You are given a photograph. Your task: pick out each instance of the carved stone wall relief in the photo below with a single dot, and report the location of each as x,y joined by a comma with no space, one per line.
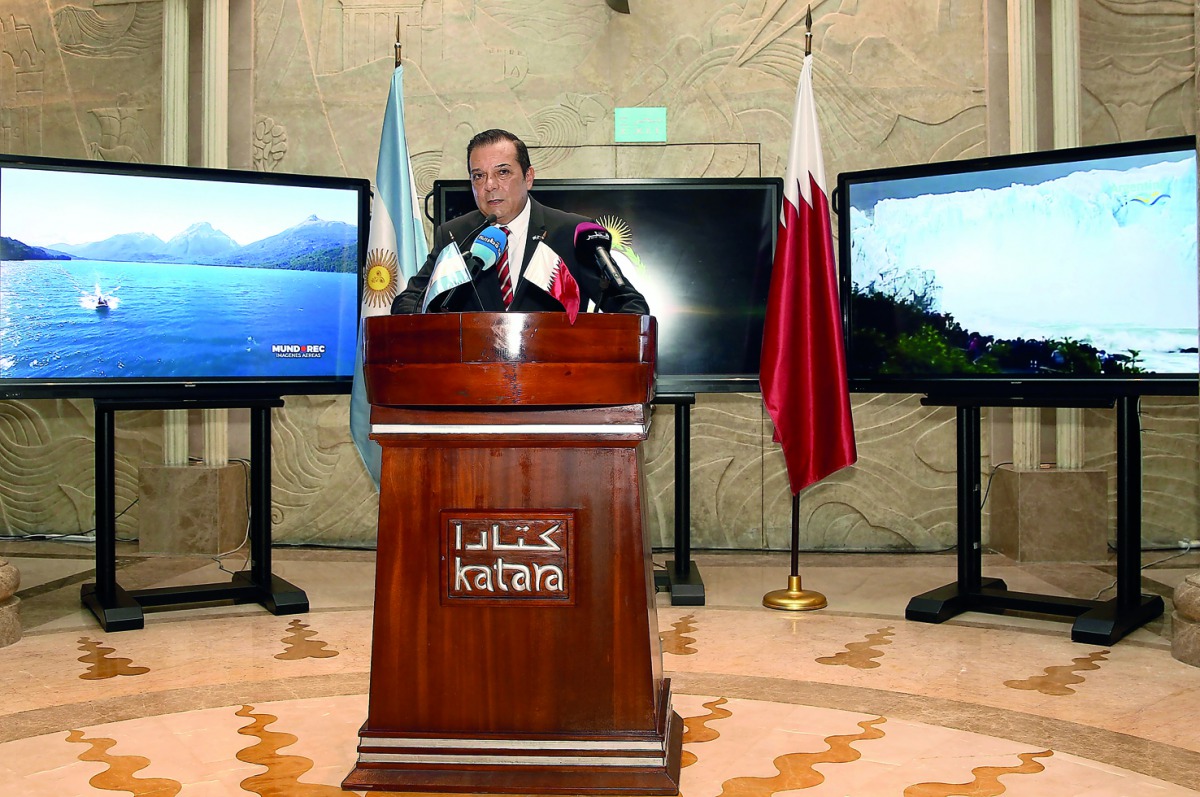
897,82
1137,62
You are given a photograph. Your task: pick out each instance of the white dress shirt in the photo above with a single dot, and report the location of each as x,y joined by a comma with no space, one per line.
518,231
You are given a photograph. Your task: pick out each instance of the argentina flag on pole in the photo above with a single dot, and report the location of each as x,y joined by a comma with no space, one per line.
396,248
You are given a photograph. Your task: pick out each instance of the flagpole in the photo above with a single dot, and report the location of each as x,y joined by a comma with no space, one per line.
807,32
780,372
794,598
397,41
396,248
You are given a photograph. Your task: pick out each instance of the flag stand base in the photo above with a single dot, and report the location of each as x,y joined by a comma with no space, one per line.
794,599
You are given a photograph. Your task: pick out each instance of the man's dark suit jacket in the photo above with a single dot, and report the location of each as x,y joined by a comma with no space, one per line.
557,229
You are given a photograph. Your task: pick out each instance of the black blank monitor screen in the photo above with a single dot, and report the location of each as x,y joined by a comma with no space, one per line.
700,250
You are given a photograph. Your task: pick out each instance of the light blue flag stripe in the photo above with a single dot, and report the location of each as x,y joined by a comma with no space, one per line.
450,271
394,186
393,177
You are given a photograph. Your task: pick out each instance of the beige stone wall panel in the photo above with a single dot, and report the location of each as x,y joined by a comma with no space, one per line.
286,89
47,459
900,83
727,471
320,491
899,495
37,110
1170,469
658,453
1170,482
1137,62
112,59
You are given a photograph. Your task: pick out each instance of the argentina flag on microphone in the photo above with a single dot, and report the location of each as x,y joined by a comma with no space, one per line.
451,268
396,248
449,271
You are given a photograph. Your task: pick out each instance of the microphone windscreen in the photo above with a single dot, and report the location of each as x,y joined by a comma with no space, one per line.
589,232
488,245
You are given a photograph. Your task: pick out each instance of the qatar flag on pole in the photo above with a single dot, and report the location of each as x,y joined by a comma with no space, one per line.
803,373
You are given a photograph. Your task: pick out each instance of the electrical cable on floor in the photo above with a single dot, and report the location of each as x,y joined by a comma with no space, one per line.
79,536
325,546
218,558
810,550
245,539
992,475
1186,548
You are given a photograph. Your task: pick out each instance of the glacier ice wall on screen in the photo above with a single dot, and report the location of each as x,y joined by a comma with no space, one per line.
1103,256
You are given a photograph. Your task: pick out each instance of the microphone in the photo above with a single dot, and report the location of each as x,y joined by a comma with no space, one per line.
470,258
592,243
489,219
486,249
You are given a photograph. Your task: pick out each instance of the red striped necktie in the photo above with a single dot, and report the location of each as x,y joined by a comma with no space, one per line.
506,286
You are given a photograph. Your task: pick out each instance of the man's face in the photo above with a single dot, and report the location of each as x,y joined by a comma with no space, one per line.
497,182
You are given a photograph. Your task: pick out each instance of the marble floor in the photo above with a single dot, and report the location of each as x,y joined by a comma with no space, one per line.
848,700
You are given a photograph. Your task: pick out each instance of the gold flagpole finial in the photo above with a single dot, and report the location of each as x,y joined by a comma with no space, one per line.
807,32
397,41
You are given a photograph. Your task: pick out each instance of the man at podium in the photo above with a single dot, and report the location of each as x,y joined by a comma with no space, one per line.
500,585
546,260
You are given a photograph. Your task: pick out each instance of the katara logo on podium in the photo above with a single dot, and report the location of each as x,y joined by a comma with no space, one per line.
506,556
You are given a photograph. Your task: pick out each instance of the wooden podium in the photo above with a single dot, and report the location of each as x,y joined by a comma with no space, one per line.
515,644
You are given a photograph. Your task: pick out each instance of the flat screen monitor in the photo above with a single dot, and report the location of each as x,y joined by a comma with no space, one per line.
699,249
1059,275
120,280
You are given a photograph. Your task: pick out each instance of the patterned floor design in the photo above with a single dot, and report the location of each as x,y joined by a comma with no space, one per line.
849,700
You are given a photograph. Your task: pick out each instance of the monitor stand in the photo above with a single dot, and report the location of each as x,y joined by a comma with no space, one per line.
119,609
1096,622
682,577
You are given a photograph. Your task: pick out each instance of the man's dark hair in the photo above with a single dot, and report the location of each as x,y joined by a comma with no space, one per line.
495,136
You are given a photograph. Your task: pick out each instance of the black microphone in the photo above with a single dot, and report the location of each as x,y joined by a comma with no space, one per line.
489,219
592,243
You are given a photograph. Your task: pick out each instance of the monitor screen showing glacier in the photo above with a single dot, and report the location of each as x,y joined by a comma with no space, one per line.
1079,268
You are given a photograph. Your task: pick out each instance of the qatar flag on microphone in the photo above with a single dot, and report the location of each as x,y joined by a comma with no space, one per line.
547,271
803,374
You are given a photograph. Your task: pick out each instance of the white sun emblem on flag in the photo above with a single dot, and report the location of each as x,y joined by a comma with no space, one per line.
622,241
381,278
622,235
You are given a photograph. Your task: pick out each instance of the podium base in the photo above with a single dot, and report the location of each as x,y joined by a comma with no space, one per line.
629,763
